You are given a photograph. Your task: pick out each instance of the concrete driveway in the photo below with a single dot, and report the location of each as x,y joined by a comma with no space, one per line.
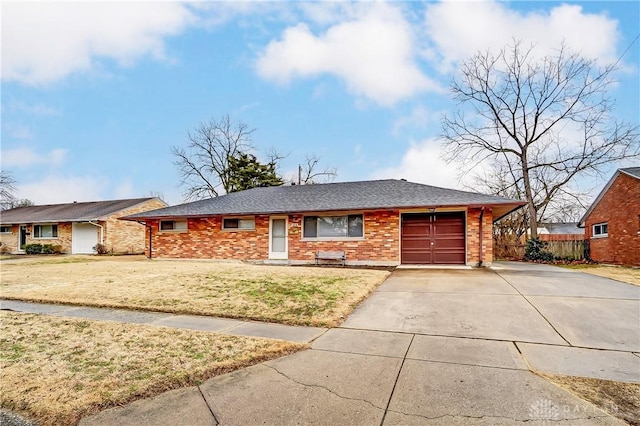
434,347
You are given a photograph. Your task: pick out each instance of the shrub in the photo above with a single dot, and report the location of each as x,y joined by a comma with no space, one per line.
535,251
57,249
101,249
47,249
33,248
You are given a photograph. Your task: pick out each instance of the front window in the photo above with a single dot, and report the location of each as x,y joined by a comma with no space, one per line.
600,230
45,231
347,226
239,224
173,225
5,229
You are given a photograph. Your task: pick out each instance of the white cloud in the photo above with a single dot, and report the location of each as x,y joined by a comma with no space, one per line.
57,189
36,109
43,42
19,131
373,53
458,30
27,157
124,190
420,118
422,163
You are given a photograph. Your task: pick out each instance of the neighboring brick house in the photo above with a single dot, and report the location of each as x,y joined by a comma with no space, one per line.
385,222
77,227
612,223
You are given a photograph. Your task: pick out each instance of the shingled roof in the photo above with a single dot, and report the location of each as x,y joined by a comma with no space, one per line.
363,195
71,212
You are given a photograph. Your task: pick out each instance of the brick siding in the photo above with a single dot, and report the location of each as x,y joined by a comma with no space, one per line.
126,237
619,207
205,239
64,238
473,237
9,240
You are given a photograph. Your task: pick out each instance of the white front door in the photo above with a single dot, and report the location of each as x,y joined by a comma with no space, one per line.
278,245
84,237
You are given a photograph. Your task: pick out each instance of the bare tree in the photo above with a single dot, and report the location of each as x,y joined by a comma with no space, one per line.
204,164
7,189
545,120
309,172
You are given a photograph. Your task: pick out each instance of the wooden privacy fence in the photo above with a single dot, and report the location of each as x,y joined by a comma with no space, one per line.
572,250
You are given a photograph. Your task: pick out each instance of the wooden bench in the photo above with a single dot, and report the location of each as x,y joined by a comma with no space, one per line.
331,255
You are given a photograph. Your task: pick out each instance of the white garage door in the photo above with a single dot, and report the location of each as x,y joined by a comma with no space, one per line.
83,238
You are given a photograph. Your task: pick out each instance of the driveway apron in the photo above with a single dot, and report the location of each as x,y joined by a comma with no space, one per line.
436,347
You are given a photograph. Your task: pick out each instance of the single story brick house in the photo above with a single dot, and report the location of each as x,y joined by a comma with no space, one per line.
77,227
382,222
612,222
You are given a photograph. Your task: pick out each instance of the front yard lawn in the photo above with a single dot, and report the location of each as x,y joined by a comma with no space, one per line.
56,370
619,399
619,273
284,294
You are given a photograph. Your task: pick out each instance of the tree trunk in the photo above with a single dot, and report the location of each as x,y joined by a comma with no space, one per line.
533,217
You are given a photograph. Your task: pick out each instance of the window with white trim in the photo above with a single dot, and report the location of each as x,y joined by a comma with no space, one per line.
5,229
601,230
173,225
45,231
239,223
347,226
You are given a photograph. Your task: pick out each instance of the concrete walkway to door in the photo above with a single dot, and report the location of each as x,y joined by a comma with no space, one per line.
436,347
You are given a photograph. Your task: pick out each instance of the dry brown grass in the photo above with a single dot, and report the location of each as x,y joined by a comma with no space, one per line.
618,273
57,370
290,295
619,399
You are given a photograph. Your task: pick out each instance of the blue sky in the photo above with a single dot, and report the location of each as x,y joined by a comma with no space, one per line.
94,95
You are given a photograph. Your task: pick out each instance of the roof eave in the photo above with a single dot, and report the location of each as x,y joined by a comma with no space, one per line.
582,221
517,205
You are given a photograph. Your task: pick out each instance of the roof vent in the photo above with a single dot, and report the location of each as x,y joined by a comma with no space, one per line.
403,179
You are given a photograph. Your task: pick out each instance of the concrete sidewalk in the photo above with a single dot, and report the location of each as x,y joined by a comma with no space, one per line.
190,322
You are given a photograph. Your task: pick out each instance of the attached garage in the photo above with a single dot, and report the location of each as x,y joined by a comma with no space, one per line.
433,238
84,237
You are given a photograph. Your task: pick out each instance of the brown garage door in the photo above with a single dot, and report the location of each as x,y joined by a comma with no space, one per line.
433,238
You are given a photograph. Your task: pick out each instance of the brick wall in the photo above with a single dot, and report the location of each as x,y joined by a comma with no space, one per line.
205,239
64,237
380,243
10,240
473,237
126,237
620,209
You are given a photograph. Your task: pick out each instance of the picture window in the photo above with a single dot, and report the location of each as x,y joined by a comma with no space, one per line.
347,226
45,231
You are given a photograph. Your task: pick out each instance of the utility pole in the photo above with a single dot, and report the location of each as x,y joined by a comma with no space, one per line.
299,174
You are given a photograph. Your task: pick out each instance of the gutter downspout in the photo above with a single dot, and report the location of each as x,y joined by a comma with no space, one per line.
480,239
150,237
101,230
